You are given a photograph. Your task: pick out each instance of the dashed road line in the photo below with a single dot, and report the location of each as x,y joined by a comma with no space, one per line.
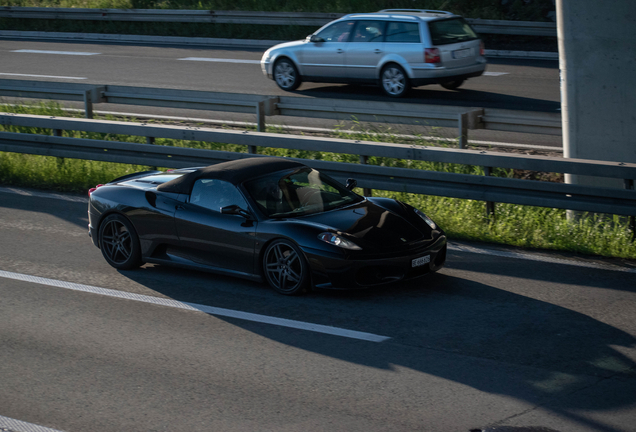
42,76
77,53
229,313
220,60
21,426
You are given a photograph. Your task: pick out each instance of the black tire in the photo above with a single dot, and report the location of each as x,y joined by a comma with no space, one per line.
285,268
394,82
119,243
453,85
286,75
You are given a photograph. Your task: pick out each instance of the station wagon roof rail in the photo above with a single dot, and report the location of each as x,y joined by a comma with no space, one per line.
425,11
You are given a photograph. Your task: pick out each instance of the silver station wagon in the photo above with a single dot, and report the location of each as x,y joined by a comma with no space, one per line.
395,48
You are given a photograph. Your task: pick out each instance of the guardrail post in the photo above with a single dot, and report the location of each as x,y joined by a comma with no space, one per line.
260,116
629,185
490,206
365,160
88,104
463,130
60,160
151,140
466,121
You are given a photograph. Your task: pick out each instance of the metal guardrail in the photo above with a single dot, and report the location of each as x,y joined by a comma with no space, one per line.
525,28
464,118
485,188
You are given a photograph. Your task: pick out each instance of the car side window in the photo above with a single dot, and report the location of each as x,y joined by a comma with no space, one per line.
397,31
338,32
214,194
369,31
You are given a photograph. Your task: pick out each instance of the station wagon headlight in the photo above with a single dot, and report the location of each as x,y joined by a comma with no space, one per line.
336,240
426,219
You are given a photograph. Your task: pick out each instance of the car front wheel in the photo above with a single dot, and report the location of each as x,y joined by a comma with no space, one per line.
119,243
285,268
286,75
394,81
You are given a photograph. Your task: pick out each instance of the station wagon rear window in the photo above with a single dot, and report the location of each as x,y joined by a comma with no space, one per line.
449,31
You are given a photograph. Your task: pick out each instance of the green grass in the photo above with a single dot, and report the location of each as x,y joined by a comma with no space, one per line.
523,226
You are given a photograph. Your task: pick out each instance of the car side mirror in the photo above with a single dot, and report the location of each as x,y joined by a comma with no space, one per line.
236,210
351,183
315,39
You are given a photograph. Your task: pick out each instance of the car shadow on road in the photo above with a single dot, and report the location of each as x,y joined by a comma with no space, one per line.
431,95
517,346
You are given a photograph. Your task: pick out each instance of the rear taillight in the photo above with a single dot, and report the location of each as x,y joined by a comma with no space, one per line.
431,55
482,49
91,190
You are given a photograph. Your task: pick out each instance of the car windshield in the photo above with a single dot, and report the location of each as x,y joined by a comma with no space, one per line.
448,31
302,192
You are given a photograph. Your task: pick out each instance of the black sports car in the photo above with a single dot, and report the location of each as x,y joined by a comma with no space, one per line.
263,218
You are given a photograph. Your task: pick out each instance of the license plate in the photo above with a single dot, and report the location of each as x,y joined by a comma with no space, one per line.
421,261
462,53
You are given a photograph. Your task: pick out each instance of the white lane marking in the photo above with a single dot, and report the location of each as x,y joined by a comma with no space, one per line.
32,193
496,73
247,316
19,425
55,52
43,76
220,60
455,247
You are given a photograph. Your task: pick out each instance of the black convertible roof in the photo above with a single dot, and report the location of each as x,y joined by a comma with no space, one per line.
235,172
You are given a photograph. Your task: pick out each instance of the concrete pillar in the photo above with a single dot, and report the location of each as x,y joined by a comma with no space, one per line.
597,55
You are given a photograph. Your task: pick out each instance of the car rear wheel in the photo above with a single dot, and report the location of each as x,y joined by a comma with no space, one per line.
285,268
394,81
452,85
119,243
286,75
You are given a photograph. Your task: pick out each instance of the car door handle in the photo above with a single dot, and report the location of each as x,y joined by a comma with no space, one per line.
179,207
339,50
377,51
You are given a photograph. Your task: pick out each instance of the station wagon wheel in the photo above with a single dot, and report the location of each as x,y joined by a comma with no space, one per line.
452,85
285,268
119,243
286,75
394,81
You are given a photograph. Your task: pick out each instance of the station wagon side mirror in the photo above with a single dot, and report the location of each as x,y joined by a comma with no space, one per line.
315,39
351,183
236,210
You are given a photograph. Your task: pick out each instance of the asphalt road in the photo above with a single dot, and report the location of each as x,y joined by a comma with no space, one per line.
490,340
531,85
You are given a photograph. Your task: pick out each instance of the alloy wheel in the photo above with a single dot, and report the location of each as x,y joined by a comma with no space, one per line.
116,241
285,268
394,81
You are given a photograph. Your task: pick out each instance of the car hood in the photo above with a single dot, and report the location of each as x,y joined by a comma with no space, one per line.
284,45
368,224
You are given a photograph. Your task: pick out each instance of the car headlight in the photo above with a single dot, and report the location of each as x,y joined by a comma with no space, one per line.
266,56
336,240
426,219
